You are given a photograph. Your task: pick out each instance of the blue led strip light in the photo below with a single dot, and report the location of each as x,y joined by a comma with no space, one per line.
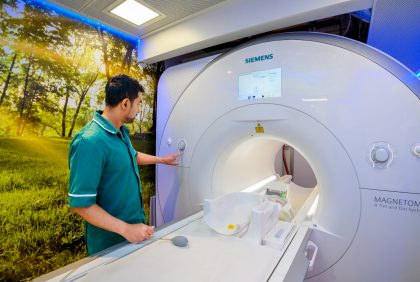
364,15
67,13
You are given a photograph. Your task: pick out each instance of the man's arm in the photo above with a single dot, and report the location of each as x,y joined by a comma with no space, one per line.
145,159
97,216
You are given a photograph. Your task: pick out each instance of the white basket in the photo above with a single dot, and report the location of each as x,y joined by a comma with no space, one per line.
231,213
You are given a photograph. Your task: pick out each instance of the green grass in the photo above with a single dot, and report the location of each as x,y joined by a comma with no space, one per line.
33,164
39,233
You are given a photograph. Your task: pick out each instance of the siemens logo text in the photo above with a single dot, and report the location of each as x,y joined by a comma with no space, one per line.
259,58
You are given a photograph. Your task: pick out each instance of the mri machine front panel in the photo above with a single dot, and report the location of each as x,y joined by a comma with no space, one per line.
339,102
386,246
338,87
175,80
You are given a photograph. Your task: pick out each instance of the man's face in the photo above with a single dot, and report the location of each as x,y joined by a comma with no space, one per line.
133,110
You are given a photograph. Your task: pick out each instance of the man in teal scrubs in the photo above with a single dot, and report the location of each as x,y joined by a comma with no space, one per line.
104,183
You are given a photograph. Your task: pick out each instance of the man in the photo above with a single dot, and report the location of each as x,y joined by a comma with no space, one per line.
104,183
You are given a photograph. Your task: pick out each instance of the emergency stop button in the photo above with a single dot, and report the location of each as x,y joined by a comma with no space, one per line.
182,144
381,154
416,150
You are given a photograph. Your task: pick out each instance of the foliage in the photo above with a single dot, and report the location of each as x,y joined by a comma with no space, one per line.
53,71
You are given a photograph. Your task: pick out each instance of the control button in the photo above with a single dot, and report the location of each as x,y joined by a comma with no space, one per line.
181,145
416,150
380,155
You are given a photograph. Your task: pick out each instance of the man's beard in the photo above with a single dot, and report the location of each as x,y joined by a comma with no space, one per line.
130,119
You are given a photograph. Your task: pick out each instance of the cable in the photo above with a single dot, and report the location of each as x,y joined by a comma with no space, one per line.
286,168
348,26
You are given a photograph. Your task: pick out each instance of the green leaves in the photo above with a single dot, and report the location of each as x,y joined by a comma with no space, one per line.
63,67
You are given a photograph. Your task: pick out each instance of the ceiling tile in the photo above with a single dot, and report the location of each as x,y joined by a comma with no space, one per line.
173,10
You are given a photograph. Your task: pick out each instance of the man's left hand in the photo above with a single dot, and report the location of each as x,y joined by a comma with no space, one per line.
169,159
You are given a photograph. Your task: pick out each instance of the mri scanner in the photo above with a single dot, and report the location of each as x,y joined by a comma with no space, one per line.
350,110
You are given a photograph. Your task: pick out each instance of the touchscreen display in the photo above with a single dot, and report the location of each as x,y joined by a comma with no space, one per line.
260,84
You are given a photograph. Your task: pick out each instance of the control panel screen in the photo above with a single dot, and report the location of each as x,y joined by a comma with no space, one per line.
260,84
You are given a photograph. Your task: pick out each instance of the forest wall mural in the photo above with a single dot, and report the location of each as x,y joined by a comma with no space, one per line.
53,71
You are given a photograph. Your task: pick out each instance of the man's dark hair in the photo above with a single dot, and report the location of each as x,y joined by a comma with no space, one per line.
120,87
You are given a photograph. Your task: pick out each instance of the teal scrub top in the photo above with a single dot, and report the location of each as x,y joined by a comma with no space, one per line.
104,171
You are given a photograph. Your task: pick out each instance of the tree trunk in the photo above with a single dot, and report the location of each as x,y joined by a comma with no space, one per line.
130,59
23,102
154,116
79,105
30,101
47,125
28,114
63,118
126,63
105,52
43,130
157,74
142,115
9,75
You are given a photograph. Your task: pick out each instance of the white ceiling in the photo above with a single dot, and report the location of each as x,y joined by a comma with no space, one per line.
174,11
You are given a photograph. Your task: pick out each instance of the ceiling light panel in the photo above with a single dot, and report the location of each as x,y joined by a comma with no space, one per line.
134,12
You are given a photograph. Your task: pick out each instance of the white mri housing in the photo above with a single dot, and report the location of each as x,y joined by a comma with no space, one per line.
353,113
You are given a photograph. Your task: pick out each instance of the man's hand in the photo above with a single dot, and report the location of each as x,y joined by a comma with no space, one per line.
145,159
169,159
135,233
97,216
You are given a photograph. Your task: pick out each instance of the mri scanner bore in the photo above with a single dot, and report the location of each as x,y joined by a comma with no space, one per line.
231,213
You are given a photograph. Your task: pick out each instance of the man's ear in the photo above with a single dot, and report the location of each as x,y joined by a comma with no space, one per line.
125,103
